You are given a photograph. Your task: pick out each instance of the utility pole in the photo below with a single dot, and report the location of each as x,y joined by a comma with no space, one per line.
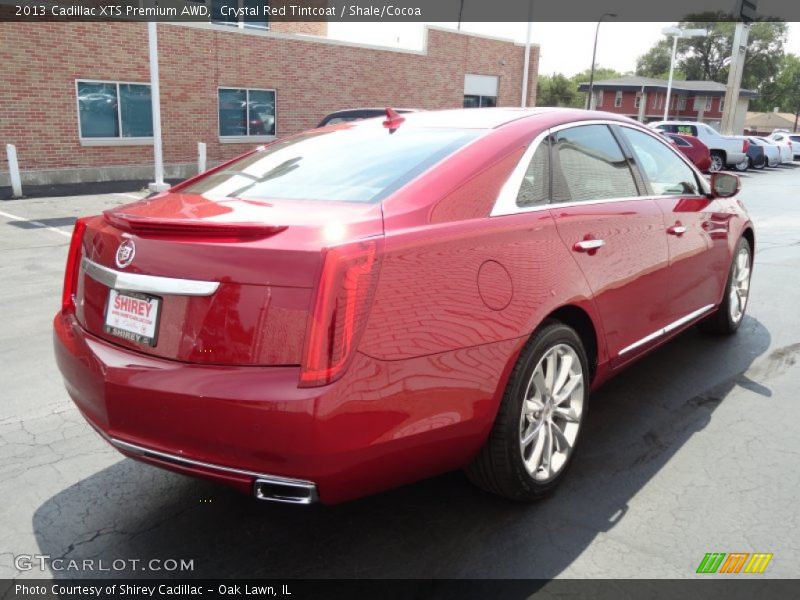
746,12
738,52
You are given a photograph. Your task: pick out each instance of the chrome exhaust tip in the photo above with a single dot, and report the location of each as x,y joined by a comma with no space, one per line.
285,491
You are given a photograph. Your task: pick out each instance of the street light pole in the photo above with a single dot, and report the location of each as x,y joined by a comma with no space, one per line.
158,185
526,65
677,32
669,81
594,57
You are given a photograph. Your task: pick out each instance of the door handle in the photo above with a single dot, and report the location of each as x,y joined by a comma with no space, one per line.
588,245
678,230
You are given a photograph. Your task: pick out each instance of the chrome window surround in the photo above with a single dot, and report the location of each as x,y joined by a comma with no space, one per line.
506,203
148,284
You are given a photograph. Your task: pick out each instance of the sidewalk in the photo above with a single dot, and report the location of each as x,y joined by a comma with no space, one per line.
80,189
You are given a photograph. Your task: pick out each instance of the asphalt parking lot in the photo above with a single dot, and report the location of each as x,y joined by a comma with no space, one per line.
692,450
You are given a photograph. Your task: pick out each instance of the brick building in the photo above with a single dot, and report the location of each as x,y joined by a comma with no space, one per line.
643,98
76,96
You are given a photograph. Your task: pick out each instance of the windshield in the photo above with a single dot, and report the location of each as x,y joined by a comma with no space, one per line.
356,164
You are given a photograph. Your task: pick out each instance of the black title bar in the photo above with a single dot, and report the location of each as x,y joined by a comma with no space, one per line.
396,10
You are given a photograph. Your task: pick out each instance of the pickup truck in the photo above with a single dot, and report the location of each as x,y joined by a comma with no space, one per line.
726,150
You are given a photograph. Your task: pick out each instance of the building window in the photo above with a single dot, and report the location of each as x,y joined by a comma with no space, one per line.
658,101
681,102
618,99
472,101
721,104
223,12
708,103
637,102
480,91
246,113
114,110
599,98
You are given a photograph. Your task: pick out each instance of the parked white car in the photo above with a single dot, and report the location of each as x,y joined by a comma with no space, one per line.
771,151
726,150
789,144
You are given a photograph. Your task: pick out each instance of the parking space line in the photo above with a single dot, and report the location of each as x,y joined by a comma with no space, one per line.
135,197
38,223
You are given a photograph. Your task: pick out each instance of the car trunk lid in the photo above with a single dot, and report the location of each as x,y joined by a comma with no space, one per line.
262,259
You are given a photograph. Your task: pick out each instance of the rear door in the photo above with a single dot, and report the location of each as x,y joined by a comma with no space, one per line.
696,232
616,236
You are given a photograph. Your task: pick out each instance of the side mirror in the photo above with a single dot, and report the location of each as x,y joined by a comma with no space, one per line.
724,185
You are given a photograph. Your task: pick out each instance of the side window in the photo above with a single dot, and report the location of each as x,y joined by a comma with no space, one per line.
667,173
588,164
535,187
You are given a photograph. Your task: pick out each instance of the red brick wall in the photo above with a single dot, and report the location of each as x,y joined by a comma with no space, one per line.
319,28
311,79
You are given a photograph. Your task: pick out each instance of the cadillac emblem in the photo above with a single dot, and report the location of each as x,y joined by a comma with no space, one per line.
125,253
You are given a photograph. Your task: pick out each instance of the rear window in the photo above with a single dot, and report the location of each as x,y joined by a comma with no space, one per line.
359,164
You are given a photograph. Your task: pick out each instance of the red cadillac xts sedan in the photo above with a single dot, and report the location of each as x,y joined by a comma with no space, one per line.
364,305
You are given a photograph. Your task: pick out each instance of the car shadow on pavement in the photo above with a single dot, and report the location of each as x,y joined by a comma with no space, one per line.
439,528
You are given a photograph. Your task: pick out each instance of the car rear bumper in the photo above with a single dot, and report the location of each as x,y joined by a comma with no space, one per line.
374,429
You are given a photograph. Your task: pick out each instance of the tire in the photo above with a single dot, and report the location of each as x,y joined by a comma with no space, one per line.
742,166
517,469
730,314
759,165
717,161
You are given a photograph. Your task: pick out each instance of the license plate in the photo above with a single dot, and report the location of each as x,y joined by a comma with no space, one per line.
133,316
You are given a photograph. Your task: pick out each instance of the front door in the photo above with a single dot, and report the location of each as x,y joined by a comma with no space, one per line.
697,234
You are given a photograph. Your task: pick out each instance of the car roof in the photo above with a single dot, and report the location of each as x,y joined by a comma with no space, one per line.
492,118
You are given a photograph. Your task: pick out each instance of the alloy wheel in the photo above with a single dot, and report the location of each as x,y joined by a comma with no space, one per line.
716,163
551,412
740,285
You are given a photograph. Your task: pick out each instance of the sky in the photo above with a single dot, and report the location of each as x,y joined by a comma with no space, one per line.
565,47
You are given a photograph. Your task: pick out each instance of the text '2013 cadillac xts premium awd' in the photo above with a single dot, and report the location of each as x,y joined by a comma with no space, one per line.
364,305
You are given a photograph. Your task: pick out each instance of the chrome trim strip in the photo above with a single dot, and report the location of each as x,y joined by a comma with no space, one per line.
310,486
149,284
506,203
664,330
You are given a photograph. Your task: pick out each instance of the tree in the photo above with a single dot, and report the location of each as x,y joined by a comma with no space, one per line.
706,58
557,90
784,91
655,62
600,73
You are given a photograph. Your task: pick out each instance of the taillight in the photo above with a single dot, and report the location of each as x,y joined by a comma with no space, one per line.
340,311
73,267
745,146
